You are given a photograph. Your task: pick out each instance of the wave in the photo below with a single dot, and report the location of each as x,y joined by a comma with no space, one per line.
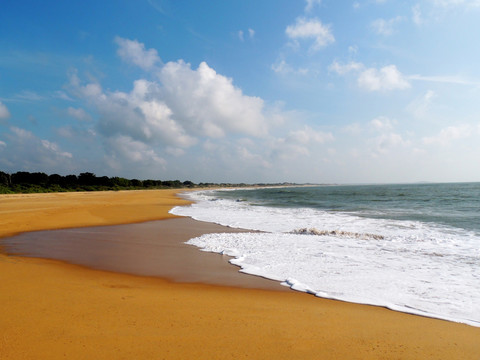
338,233
410,266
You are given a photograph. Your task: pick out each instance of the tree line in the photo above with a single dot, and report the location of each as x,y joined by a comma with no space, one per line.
27,182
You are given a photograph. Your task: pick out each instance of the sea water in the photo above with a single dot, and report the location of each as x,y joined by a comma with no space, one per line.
412,248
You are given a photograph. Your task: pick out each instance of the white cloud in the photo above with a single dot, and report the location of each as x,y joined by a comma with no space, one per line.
354,129
311,3
245,156
4,113
134,52
385,79
453,3
62,95
382,124
208,103
140,114
125,152
448,135
298,142
346,68
55,149
29,96
22,134
283,68
78,134
307,135
385,27
78,114
179,108
157,7
174,151
26,151
311,29
420,106
241,34
386,141
417,14
445,79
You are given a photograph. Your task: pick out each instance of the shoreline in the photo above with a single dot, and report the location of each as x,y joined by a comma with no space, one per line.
152,248
52,309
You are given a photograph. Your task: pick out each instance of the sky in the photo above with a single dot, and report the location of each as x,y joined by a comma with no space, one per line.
319,91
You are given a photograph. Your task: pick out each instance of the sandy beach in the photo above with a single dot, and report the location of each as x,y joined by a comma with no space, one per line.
124,296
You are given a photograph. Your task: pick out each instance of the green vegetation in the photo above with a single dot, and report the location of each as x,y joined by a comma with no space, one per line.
26,182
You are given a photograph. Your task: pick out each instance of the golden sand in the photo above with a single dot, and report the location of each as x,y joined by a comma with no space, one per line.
30,212
53,310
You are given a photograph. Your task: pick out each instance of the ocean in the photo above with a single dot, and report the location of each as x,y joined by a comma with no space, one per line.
412,248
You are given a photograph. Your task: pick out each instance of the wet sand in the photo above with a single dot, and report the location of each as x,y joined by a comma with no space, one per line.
154,248
51,309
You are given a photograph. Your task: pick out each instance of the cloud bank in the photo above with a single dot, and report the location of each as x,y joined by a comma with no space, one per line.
176,109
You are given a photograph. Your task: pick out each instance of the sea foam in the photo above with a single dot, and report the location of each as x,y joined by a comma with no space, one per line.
408,266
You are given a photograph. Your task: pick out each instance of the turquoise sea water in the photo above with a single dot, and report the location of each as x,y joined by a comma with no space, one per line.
412,248
454,204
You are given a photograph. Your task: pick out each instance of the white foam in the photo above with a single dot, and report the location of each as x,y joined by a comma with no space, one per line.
411,266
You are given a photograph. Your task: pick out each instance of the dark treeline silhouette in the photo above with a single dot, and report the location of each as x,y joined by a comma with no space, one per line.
26,182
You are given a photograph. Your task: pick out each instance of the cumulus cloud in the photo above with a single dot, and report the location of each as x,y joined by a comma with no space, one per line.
135,53
385,79
207,103
140,114
177,108
4,113
306,29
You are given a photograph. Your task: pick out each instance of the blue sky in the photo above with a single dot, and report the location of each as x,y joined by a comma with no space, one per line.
242,91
